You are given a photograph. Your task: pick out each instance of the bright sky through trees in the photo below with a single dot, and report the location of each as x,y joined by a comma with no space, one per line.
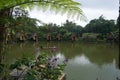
91,8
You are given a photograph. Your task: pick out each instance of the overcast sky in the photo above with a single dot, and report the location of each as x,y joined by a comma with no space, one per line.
91,8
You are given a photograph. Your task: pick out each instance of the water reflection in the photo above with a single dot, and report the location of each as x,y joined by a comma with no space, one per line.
82,60
86,61
119,61
60,56
81,68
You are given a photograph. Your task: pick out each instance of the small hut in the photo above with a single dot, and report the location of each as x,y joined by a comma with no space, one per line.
49,37
110,37
22,37
73,37
9,37
59,37
35,37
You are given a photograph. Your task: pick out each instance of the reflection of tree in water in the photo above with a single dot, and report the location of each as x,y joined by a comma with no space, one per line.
70,50
1,57
98,54
17,51
22,45
119,60
49,47
35,44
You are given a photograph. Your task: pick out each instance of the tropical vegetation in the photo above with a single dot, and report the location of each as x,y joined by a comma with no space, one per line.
7,7
95,30
40,68
12,17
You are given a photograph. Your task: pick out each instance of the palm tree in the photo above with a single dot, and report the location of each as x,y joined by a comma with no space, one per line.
59,6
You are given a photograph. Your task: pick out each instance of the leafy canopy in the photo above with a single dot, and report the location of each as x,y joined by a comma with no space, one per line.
63,6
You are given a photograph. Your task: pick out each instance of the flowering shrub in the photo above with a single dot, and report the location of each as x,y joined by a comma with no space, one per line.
41,68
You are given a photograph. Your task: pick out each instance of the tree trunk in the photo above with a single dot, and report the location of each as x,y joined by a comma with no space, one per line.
4,14
2,38
118,23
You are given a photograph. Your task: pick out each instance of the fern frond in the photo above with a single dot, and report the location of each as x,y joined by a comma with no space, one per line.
58,6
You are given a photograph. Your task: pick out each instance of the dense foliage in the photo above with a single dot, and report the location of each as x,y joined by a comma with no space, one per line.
40,68
103,27
20,19
96,28
100,25
7,7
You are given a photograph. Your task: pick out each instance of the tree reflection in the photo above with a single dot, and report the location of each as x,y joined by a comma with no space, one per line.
119,60
97,53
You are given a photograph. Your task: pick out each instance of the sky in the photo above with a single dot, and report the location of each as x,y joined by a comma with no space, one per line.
92,9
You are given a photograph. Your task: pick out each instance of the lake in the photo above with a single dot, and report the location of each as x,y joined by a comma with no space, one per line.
86,61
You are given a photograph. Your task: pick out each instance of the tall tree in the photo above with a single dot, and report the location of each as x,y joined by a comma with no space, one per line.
6,8
100,25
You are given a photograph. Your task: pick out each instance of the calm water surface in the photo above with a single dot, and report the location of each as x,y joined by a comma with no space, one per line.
86,61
